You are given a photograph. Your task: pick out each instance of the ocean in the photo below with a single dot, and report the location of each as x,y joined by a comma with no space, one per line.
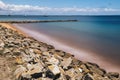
99,35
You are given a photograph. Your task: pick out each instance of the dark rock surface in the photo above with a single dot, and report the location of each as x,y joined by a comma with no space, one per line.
24,58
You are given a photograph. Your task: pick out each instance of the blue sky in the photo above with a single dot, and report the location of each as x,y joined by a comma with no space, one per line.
60,7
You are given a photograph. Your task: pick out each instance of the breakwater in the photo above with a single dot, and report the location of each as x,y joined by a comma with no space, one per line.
36,21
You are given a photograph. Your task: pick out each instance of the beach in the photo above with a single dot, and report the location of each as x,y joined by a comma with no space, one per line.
47,58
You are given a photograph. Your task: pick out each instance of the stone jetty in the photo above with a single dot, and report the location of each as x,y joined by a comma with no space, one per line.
24,58
37,21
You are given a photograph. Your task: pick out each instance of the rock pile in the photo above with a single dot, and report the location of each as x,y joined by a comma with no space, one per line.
24,58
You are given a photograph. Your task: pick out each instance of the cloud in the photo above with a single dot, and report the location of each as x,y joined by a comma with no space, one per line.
13,8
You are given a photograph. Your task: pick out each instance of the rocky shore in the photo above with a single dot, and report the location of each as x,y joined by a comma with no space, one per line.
24,58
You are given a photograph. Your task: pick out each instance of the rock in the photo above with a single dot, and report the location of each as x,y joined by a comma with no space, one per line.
26,58
33,71
16,52
66,62
74,73
36,51
11,45
70,72
19,60
80,70
113,75
87,77
76,61
54,69
46,54
67,55
95,68
1,51
60,53
26,76
58,57
53,60
50,74
2,44
34,68
99,77
43,48
53,72
34,45
19,71
7,50
37,75
50,47
68,77
77,77
31,53
25,44
84,68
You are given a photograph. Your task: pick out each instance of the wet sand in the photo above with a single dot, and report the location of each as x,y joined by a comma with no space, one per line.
80,54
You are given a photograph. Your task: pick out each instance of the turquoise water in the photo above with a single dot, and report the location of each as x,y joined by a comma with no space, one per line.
97,34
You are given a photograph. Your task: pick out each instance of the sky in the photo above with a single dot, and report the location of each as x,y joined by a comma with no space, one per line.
60,7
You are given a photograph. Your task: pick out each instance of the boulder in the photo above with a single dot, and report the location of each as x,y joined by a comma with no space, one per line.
113,75
66,62
53,72
54,69
95,68
53,60
84,68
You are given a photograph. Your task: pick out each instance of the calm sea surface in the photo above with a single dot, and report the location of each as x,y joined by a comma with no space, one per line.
97,34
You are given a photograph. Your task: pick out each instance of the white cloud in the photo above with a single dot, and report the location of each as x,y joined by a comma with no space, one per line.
38,9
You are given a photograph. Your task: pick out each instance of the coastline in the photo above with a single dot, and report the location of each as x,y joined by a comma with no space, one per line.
85,68
79,54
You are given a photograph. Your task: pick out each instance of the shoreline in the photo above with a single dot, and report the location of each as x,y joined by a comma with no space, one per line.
79,54
24,57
